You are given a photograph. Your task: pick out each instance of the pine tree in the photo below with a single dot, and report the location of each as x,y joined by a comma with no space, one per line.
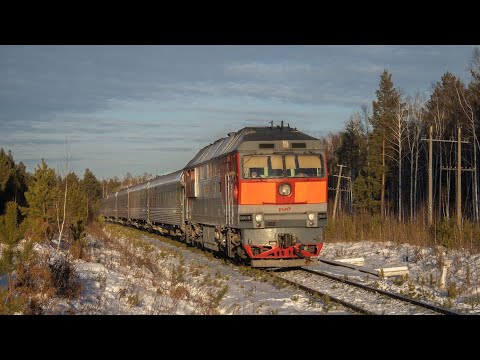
93,191
474,86
7,178
363,195
444,109
9,232
76,200
41,194
9,237
22,178
445,114
13,180
352,150
379,152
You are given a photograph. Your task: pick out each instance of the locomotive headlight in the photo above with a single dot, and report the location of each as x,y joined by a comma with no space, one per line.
284,190
259,218
311,216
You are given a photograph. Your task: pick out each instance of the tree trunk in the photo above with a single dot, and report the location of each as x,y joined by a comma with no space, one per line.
399,172
411,187
382,206
64,214
475,184
416,177
447,208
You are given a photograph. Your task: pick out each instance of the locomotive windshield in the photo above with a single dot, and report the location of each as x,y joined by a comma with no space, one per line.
275,166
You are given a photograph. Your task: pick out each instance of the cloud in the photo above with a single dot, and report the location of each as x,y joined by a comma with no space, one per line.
366,68
136,108
232,88
272,70
173,149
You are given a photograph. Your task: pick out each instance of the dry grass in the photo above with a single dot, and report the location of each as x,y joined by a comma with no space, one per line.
175,283
40,281
365,227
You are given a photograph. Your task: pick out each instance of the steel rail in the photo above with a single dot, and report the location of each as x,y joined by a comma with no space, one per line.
383,292
332,298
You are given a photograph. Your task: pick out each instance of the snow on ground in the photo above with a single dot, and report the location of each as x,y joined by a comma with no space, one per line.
133,272
462,286
148,276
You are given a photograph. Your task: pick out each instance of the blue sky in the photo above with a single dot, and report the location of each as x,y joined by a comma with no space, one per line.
151,108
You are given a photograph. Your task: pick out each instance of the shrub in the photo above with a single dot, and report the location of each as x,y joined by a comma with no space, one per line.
65,278
77,230
133,300
444,232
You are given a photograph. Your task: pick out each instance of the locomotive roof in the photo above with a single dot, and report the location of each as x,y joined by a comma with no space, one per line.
234,140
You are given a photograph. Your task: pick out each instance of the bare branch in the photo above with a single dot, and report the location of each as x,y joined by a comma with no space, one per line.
66,159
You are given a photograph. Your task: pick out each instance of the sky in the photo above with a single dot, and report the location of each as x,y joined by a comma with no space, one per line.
150,109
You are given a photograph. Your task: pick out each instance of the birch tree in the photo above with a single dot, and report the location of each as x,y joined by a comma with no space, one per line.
415,120
66,168
398,133
471,116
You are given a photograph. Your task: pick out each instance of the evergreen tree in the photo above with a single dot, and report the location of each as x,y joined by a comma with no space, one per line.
10,234
7,178
93,192
445,114
444,111
363,194
474,86
383,117
41,194
76,200
331,142
13,180
111,186
352,149
21,180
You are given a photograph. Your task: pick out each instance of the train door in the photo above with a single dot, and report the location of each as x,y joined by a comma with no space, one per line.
116,205
229,191
191,191
148,202
230,202
183,203
231,186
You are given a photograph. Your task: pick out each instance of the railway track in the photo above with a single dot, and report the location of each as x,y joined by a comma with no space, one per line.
360,298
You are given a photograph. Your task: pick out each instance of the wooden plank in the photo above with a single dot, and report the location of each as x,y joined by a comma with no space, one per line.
354,261
393,271
354,267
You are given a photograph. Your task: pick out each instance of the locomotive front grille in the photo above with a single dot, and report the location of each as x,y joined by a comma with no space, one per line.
286,240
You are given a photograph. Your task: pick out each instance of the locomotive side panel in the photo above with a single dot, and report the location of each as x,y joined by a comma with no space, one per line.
211,206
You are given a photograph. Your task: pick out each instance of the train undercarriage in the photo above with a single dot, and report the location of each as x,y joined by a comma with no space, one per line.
286,251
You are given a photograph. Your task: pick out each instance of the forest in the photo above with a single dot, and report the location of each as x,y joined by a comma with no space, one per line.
385,150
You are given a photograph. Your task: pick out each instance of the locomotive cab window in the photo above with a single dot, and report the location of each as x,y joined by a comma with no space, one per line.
304,166
268,166
275,166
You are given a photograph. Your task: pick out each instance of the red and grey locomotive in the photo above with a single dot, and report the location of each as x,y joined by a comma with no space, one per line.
259,195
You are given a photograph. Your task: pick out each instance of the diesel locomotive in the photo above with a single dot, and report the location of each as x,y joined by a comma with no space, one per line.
258,195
